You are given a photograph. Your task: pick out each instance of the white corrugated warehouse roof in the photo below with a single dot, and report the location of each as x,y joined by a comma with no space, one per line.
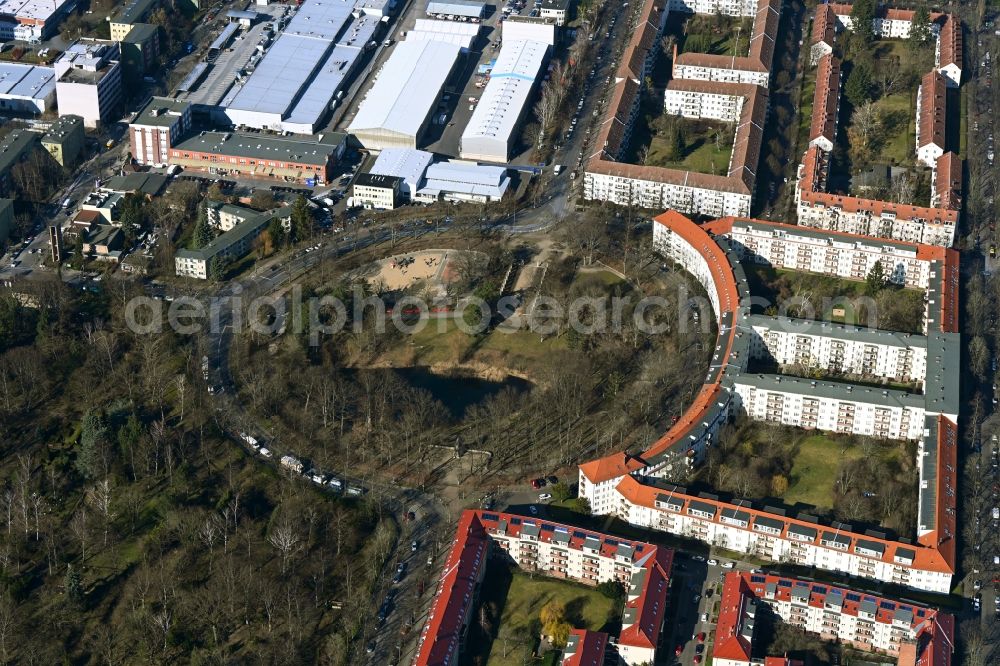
31,9
405,91
452,32
493,123
285,75
471,8
404,163
26,81
466,178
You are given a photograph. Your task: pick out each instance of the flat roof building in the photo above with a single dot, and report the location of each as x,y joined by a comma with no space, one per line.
300,159
31,20
452,32
26,89
376,191
463,182
492,130
64,140
408,165
206,262
402,100
89,82
294,85
134,11
157,129
461,8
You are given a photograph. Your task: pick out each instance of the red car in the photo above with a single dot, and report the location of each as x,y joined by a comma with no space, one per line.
701,637
678,650
537,483
697,659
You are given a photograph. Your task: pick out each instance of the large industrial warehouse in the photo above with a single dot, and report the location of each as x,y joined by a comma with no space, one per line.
492,129
401,102
292,87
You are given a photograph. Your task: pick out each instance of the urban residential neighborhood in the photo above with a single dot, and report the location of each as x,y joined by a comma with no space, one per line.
499,332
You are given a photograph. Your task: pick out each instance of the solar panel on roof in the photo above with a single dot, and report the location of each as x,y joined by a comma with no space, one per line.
491,516
888,605
515,521
758,579
784,583
819,589
579,535
548,528
853,597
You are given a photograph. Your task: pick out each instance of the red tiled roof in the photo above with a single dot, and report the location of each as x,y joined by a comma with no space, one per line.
761,54
443,633
729,644
781,661
942,539
926,557
442,636
951,42
934,630
933,102
649,602
948,181
746,145
590,648
826,99
824,26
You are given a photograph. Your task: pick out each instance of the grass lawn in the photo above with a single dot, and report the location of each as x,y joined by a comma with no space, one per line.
718,35
700,151
899,125
586,608
815,469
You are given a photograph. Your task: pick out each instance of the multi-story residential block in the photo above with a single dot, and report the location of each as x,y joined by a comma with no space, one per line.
824,33
134,11
826,103
754,69
725,7
867,217
725,192
625,485
585,648
89,82
946,182
65,139
706,99
840,254
911,633
948,51
558,551
931,118
831,406
205,262
839,348
158,128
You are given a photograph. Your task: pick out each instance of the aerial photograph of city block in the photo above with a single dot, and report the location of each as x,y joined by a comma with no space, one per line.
499,332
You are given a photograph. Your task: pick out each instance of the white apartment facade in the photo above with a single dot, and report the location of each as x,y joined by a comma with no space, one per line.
726,7
702,70
831,406
804,249
688,195
774,537
703,105
839,348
